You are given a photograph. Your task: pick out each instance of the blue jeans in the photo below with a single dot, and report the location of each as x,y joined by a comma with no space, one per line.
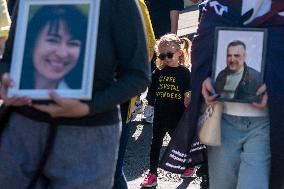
82,157
243,159
120,181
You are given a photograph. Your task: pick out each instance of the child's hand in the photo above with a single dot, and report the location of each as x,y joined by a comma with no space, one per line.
187,98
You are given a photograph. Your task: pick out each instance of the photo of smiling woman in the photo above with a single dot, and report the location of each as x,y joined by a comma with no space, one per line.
54,49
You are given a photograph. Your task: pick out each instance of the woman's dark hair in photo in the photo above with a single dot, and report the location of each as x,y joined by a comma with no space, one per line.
75,22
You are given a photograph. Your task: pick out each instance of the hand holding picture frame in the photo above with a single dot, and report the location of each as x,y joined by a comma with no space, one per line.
238,66
55,47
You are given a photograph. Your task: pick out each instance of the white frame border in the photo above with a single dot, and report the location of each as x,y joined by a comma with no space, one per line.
85,93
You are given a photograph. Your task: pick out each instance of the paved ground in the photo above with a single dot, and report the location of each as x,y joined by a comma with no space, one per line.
137,154
137,162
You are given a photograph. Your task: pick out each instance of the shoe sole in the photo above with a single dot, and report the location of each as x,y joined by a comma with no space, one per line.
149,186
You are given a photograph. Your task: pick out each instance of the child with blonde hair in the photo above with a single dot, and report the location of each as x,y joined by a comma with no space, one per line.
169,94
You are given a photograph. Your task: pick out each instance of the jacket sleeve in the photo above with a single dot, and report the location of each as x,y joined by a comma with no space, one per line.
133,75
148,28
151,95
176,5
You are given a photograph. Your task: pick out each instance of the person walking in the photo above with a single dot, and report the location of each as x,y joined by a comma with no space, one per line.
164,17
168,94
67,143
120,181
244,153
263,14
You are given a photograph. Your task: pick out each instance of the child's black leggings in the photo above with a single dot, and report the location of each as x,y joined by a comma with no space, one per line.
161,125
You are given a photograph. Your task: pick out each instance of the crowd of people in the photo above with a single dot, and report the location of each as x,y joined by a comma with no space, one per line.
69,143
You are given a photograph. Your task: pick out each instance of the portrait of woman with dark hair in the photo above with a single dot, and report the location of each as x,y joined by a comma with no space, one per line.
54,48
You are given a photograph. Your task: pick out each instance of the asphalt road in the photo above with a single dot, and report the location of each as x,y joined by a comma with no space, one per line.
136,163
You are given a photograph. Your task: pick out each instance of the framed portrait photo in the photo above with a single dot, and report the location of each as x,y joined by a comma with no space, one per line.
55,48
238,64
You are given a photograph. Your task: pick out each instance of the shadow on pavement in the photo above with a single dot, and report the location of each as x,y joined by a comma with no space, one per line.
154,187
185,183
137,151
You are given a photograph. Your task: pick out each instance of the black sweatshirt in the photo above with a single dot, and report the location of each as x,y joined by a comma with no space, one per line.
167,89
160,14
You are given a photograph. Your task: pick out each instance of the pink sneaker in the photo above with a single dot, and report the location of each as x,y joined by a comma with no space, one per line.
187,173
150,180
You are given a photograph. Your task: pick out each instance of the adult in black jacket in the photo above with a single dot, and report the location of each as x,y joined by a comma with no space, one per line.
85,134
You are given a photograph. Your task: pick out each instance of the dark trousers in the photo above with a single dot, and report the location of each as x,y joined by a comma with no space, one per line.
120,181
276,105
161,125
277,173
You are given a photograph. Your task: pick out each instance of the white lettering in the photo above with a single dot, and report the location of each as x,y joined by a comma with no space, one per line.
177,158
179,153
219,9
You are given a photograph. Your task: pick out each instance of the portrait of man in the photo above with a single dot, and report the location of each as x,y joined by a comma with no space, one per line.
238,81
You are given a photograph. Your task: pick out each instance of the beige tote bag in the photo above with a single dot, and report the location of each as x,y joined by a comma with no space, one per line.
209,125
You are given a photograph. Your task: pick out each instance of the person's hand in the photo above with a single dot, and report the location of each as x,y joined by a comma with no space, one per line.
263,96
2,45
207,91
194,1
63,107
148,111
14,100
187,99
